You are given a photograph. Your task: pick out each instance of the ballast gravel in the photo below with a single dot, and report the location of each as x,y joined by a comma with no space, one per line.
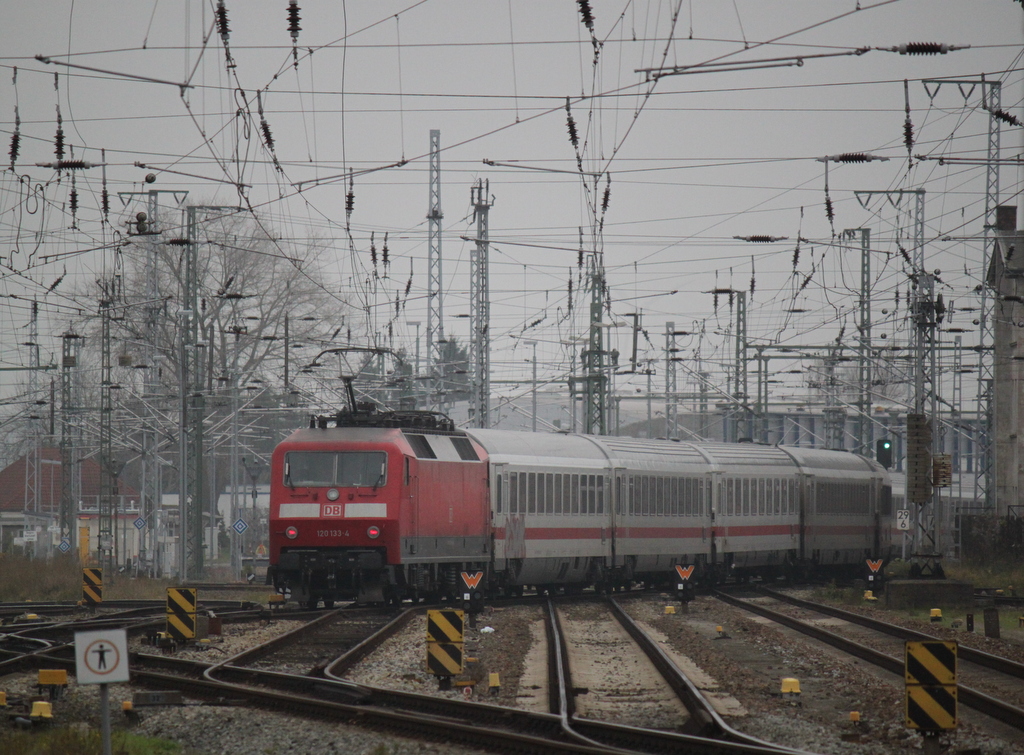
741,668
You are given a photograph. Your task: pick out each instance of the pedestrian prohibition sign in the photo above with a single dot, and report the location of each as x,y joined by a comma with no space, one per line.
101,657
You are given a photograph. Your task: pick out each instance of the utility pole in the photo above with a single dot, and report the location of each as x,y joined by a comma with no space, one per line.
192,403
533,385
68,449
986,474
741,418
595,397
149,230
33,459
671,385
435,292
107,492
864,426
835,415
926,314
480,307
761,407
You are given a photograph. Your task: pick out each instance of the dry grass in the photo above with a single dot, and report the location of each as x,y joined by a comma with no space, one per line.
68,740
1008,576
24,579
60,579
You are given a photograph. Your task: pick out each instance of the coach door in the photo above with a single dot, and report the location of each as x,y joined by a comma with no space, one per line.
711,518
413,497
616,503
499,513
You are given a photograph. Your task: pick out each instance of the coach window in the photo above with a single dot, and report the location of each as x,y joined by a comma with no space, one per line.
549,497
513,492
701,488
761,496
497,492
522,492
531,493
631,493
674,507
558,494
728,497
746,497
575,490
600,494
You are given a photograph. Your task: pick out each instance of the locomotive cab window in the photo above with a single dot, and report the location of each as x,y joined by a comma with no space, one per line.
350,469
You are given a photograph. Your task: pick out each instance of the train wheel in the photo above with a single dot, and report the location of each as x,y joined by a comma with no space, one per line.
312,603
328,603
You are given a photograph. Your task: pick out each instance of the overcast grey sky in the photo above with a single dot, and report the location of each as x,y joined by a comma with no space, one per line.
693,160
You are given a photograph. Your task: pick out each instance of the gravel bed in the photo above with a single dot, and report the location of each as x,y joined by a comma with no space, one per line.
751,660
1011,645
621,684
234,639
500,643
206,729
987,681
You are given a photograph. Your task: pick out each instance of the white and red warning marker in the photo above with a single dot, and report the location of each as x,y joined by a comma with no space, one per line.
684,572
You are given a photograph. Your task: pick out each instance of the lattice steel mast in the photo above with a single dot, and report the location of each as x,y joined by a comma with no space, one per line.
480,306
435,292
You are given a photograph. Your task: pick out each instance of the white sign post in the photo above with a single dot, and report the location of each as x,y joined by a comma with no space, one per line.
903,524
102,658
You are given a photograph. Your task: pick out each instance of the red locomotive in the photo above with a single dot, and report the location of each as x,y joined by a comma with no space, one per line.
385,506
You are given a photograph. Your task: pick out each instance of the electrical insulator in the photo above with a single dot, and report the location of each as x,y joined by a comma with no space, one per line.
923,48
293,20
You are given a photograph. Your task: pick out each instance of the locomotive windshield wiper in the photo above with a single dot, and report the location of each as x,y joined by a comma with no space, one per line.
288,475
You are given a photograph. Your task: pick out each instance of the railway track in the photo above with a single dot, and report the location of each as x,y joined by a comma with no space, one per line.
703,730
471,723
988,669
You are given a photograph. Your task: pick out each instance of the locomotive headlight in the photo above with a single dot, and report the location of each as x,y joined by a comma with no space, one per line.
291,532
373,532
332,494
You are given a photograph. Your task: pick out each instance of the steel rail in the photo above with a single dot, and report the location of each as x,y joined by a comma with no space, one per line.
341,665
979,657
972,698
631,738
709,722
313,703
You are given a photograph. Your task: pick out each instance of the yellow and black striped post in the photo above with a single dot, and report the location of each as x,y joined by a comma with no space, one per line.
181,613
931,685
92,585
444,644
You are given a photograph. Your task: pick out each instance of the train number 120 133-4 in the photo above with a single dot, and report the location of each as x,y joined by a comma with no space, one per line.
332,533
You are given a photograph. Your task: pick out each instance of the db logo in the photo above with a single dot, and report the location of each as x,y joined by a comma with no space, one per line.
332,511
